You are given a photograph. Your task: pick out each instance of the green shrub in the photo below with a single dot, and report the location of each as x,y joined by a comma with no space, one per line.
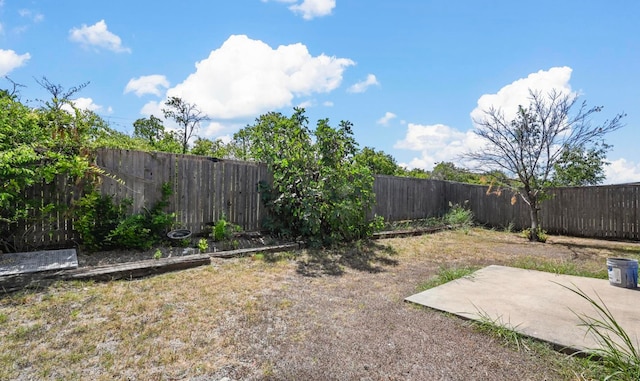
542,235
458,215
223,230
96,217
320,192
104,225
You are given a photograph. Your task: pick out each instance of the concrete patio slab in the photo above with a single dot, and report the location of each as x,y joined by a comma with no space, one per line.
535,304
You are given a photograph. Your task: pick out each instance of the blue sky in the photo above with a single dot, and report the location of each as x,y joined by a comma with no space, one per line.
407,73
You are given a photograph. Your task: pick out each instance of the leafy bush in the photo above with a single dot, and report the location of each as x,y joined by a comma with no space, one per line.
104,225
96,217
458,215
541,235
223,230
320,192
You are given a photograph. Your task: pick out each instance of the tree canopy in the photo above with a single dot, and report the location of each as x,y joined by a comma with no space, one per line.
320,192
548,142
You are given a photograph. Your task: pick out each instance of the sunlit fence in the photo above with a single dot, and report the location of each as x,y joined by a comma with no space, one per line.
207,189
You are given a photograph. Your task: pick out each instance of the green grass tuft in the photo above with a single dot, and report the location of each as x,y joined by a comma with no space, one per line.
445,275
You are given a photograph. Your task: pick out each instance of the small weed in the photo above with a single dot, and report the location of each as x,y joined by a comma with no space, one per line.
258,257
500,329
509,228
556,267
157,255
203,245
542,235
3,318
445,275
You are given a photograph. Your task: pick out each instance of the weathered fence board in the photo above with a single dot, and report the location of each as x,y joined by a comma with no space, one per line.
402,198
205,189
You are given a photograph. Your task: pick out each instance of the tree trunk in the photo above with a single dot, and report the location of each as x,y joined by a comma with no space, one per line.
532,201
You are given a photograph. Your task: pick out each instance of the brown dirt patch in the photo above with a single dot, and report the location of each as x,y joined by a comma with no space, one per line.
328,315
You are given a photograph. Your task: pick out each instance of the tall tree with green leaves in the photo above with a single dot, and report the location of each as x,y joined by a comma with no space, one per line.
530,147
379,162
152,131
581,166
320,193
186,115
214,148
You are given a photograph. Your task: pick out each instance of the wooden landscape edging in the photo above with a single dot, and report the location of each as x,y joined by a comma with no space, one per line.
138,269
410,232
129,270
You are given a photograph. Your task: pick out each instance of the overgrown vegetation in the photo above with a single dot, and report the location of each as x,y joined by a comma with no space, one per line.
42,146
223,230
320,193
104,224
459,215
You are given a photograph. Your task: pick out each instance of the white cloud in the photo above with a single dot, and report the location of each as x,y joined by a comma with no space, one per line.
314,8
152,108
211,130
309,8
386,118
10,60
327,104
362,86
82,104
305,104
246,77
33,16
437,143
147,84
98,36
515,94
622,171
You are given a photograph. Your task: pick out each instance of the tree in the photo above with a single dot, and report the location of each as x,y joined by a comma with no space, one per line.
154,134
214,148
378,162
150,129
529,147
36,146
581,167
319,192
188,117
448,171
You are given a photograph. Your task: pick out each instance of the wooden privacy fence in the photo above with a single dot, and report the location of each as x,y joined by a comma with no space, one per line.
206,189
610,211
405,198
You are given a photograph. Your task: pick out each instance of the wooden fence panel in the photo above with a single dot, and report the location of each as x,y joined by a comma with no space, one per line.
206,189
402,198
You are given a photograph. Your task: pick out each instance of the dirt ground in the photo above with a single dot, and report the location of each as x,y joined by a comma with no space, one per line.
322,315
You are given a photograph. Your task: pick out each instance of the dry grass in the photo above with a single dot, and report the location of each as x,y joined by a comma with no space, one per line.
313,315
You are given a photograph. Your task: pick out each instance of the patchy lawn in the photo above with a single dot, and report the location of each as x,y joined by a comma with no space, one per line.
291,316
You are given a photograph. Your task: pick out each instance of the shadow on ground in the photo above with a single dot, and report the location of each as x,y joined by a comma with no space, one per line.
369,256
